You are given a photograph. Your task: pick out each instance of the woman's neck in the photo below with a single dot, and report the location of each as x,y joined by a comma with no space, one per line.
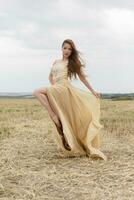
64,59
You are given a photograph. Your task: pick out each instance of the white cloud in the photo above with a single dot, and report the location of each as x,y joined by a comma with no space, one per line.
9,46
120,23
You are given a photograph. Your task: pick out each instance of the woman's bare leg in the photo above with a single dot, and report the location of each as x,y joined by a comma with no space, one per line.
42,97
40,94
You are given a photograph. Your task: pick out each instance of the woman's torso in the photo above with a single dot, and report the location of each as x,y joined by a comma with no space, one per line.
60,70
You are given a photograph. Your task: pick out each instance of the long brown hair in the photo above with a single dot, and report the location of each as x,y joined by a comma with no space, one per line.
75,63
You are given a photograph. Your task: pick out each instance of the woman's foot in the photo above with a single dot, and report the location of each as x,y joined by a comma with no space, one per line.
56,120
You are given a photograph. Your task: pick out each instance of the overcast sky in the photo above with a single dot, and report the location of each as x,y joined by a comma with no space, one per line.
31,34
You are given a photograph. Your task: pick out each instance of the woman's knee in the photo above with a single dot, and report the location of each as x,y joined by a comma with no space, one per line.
36,92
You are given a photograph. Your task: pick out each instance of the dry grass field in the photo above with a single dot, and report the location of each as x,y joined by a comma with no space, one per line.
31,167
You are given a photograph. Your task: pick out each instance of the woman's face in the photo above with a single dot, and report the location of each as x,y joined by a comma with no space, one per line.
66,50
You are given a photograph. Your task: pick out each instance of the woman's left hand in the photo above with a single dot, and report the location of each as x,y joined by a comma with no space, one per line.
96,94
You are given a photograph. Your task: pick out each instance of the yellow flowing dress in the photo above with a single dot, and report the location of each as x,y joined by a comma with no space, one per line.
79,113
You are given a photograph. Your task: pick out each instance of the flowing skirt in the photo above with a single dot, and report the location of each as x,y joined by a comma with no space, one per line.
79,113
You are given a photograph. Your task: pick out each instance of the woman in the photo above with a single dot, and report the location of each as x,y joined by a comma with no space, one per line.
75,112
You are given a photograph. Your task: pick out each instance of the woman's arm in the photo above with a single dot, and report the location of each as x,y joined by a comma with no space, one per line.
51,74
51,78
82,77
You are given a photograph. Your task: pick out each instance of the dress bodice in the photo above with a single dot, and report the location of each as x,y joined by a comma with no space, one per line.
59,70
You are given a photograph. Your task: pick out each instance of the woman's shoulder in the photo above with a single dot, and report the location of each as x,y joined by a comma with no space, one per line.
55,61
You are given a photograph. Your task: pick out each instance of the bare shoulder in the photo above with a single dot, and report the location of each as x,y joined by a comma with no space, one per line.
55,61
